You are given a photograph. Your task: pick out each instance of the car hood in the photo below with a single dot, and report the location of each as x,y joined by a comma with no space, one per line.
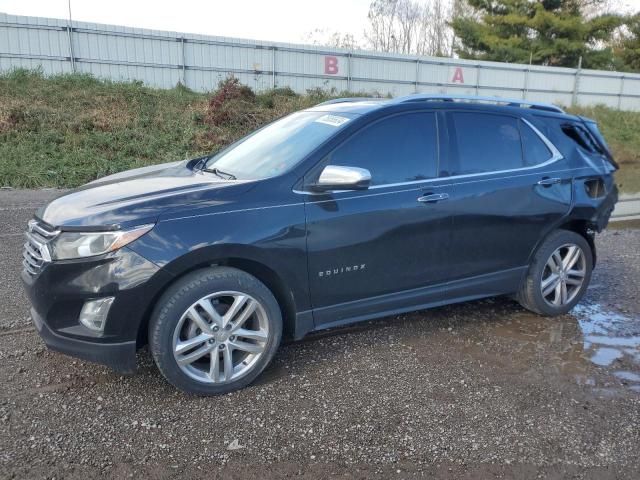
138,196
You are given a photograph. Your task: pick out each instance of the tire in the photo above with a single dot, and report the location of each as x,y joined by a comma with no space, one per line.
552,258
209,318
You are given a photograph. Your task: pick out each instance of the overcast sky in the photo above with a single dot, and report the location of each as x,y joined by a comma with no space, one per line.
276,20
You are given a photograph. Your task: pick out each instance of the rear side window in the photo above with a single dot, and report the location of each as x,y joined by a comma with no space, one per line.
485,143
402,148
534,149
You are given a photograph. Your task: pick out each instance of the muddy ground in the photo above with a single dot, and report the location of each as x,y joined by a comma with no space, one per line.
477,390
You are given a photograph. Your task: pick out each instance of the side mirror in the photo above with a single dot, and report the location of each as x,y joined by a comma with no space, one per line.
336,177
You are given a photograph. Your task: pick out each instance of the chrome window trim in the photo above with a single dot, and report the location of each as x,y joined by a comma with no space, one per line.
413,182
555,156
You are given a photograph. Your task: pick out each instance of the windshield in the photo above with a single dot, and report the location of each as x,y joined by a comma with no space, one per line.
279,146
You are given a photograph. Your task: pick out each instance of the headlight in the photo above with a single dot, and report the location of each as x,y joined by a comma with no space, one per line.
70,245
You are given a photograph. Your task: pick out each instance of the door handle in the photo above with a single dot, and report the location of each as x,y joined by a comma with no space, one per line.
433,197
549,181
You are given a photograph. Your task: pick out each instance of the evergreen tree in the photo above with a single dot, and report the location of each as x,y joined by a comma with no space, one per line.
547,32
628,50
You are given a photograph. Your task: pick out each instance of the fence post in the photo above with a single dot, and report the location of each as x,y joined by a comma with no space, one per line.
621,92
417,82
576,84
71,56
349,72
184,61
478,67
273,67
525,90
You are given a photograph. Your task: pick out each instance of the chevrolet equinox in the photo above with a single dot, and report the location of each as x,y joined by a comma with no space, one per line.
347,211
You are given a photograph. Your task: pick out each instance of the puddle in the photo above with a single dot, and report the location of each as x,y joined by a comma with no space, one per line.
606,356
610,338
629,376
572,344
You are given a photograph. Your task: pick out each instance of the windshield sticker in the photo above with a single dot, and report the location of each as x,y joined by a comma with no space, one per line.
333,120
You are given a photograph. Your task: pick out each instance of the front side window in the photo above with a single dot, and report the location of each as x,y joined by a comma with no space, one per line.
279,146
401,148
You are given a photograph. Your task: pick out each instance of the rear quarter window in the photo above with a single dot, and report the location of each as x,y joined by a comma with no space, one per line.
535,151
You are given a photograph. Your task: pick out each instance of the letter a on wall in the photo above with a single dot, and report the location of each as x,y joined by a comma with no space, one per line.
330,65
457,76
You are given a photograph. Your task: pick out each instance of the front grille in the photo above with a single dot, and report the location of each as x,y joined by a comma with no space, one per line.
35,253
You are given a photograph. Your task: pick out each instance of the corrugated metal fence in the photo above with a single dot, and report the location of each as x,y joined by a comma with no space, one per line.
162,59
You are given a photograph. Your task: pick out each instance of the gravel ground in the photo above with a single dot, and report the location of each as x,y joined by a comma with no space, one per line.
477,390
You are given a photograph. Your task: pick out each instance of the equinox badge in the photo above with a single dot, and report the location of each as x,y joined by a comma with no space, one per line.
339,270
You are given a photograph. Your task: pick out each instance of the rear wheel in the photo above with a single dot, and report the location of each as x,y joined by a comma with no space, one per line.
558,275
214,331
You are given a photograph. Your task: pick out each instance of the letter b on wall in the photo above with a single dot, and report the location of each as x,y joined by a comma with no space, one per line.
330,65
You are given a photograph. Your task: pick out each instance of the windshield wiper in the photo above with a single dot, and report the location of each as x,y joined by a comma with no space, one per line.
220,173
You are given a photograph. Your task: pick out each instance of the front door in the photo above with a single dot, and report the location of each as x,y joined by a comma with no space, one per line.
368,250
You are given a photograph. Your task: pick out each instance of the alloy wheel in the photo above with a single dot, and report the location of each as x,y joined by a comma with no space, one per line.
563,275
220,337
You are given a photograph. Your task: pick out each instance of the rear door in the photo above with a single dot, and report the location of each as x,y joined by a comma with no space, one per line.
364,247
507,187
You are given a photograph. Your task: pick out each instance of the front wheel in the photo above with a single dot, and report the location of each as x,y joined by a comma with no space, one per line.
558,275
214,331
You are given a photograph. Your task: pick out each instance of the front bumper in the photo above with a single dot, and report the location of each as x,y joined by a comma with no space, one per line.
59,290
119,356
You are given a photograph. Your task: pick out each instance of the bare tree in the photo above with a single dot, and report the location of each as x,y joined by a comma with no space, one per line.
418,27
409,17
381,34
332,39
438,34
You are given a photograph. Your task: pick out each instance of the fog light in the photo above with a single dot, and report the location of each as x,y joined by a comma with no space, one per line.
94,313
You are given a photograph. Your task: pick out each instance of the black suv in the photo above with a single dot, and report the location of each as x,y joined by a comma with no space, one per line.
353,209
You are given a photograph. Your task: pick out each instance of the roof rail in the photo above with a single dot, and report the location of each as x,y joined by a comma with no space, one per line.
350,99
426,97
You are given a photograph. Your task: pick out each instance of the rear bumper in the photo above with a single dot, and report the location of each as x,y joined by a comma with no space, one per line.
118,356
606,207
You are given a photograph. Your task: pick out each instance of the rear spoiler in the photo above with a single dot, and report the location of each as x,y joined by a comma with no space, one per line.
592,127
